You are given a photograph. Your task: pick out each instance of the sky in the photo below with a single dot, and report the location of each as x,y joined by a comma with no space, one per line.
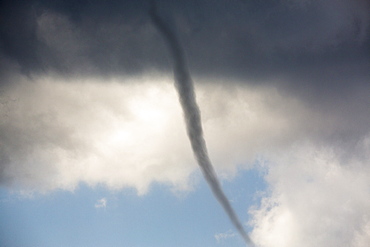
93,143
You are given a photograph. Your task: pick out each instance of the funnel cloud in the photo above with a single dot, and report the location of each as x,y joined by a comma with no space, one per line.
185,89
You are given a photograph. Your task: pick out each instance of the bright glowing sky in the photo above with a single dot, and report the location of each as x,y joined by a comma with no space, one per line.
93,146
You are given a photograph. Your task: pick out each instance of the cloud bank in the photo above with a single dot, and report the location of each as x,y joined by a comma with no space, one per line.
330,206
56,134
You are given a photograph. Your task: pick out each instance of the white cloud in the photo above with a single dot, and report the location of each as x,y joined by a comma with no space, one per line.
102,203
128,132
315,200
56,134
220,237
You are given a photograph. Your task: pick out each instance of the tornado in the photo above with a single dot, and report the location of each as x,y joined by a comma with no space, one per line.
185,89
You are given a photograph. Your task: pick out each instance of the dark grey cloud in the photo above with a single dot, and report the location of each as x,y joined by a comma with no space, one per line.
248,39
318,51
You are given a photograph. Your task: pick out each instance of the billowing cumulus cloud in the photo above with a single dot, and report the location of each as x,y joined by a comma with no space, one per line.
119,132
57,134
316,199
86,96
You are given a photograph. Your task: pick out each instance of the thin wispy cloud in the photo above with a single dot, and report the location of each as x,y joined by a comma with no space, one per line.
101,203
221,237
